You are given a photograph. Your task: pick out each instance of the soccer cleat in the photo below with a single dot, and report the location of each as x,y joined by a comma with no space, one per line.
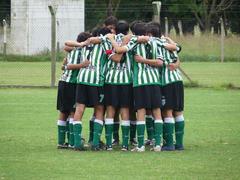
115,142
94,148
79,149
133,142
168,148
109,148
156,149
137,149
148,142
102,145
124,148
70,147
179,147
62,146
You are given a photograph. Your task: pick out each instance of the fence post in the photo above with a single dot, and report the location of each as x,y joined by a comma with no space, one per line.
180,27
156,11
166,26
222,39
58,43
4,37
53,45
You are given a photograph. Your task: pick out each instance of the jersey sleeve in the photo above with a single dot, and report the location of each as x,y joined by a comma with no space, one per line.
106,44
132,43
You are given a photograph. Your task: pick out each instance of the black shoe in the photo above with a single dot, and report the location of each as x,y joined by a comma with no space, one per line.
115,142
179,147
79,149
133,142
62,146
95,148
168,148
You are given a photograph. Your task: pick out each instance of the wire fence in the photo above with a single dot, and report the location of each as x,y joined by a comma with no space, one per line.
25,42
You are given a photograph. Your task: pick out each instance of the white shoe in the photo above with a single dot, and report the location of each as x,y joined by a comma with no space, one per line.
156,149
137,149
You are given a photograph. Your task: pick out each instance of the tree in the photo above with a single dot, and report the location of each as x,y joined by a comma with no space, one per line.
207,11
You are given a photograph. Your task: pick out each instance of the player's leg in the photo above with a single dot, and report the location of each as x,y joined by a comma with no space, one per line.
116,126
71,135
98,126
91,122
158,129
125,126
61,123
110,112
77,126
140,130
168,130
149,127
133,126
179,129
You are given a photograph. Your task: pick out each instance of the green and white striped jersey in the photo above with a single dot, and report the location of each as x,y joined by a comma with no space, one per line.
145,74
73,57
118,73
93,74
168,76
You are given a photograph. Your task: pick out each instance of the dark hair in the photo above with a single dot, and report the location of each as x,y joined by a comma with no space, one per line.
95,31
111,20
103,31
132,25
153,28
122,27
140,29
83,36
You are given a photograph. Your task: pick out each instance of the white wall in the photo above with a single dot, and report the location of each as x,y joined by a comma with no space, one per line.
31,24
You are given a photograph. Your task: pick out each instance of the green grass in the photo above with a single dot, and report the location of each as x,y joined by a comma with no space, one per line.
28,142
39,74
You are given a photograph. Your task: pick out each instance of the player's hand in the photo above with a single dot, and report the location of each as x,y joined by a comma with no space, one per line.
85,63
126,39
138,58
158,63
172,66
110,36
64,61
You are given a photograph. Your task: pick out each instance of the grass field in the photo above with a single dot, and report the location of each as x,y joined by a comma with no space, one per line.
38,74
28,142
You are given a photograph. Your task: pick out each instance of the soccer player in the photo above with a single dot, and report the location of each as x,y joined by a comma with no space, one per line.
146,84
90,93
118,89
173,100
66,91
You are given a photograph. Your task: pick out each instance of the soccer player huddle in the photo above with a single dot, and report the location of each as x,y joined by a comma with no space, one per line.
132,75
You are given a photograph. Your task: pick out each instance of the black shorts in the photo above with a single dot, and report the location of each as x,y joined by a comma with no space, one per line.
66,96
118,95
89,95
148,97
173,96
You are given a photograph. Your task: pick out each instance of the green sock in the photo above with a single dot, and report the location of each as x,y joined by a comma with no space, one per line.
109,131
97,130
77,130
158,129
179,130
71,134
125,132
116,131
133,130
61,131
168,129
91,122
140,133
67,130
150,127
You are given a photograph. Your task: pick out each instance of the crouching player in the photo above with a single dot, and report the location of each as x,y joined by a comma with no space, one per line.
67,90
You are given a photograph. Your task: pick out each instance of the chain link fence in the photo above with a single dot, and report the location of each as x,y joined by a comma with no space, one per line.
26,61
